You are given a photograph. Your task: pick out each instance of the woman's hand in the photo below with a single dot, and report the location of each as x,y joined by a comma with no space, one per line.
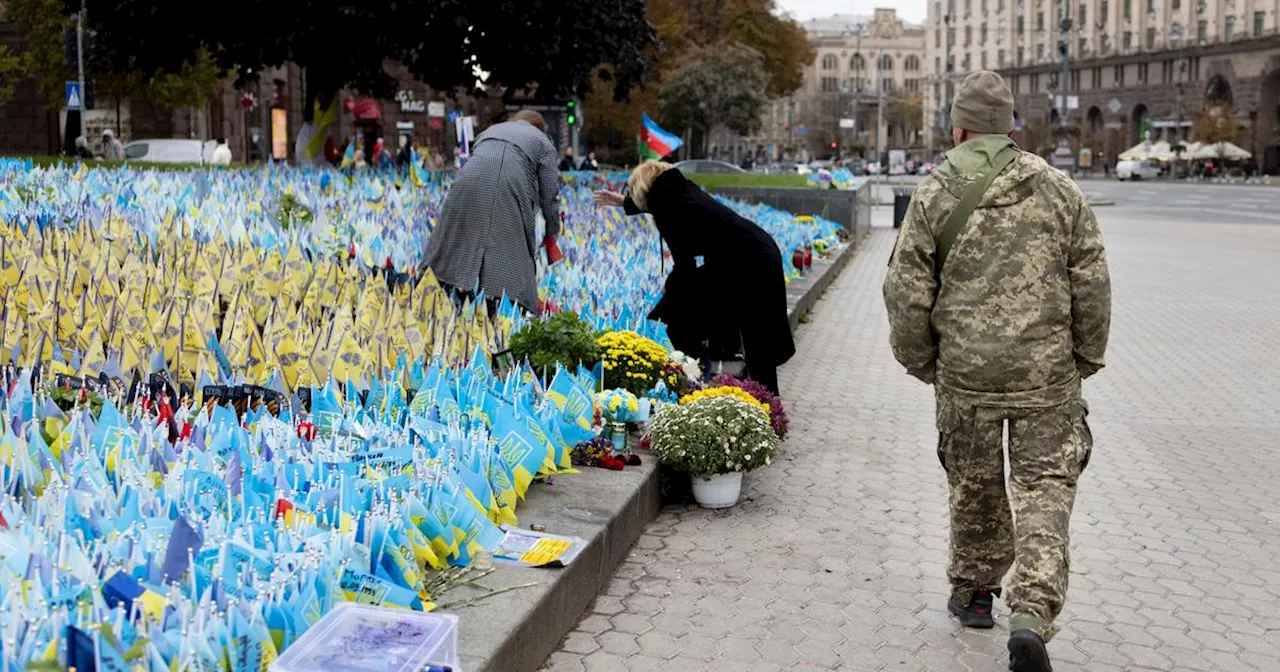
606,197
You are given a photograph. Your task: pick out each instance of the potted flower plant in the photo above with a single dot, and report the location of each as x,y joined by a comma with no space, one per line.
715,438
631,362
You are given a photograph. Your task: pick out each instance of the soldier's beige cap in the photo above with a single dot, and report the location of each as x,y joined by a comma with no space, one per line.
983,104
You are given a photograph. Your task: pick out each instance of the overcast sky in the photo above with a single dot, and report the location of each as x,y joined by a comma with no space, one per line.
911,10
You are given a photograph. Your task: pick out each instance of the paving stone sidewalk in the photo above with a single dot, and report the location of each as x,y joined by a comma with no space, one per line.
835,559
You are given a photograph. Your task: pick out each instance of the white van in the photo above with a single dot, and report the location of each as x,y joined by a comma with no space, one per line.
169,151
1138,170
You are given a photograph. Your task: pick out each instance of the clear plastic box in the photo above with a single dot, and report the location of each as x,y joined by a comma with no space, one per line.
362,638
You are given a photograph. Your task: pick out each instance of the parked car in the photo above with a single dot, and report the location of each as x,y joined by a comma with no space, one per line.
707,166
169,150
1138,170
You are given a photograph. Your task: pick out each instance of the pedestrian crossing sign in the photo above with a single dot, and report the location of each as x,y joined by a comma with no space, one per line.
74,96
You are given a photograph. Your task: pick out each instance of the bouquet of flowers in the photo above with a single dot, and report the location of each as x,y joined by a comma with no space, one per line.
619,406
717,434
631,361
777,414
597,452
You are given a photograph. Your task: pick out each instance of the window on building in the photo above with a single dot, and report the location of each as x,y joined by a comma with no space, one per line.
1105,44
830,85
999,5
1000,58
1084,46
829,62
858,63
937,39
886,62
1039,20
1118,77
1084,15
1039,52
1128,40
1019,61
982,34
1142,72
967,63
1103,13
984,7
1177,4
1166,72
912,64
937,92
1021,26
951,36
984,60
1229,30
1095,78
1151,6
1015,84
937,10
1151,38
886,84
1202,31
951,7
1128,9
968,7
968,35
1075,80
1258,19
1035,83
937,64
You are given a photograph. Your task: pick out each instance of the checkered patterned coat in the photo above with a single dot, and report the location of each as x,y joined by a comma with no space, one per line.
485,237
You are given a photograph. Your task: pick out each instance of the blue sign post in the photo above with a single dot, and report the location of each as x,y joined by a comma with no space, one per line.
75,97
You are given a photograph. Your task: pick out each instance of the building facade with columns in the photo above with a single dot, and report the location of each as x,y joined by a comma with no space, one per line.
1136,69
859,61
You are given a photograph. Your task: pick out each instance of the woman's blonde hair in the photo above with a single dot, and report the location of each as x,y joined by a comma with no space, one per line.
642,178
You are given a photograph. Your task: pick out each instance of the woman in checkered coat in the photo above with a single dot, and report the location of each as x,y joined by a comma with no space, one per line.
485,238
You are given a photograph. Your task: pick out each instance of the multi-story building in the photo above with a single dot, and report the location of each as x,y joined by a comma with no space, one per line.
1135,69
859,63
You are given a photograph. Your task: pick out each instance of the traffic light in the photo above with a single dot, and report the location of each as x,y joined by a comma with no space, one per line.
571,113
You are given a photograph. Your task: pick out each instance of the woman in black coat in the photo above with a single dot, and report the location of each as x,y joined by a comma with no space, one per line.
738,294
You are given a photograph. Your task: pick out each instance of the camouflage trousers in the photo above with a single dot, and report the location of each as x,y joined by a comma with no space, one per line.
1049,447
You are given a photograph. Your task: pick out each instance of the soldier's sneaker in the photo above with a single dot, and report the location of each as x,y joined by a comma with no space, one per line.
1027,652
978,612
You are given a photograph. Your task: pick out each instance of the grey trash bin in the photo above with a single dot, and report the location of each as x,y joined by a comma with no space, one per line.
901,199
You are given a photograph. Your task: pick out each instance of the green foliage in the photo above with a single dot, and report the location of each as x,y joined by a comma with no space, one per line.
42,23
195,84
66,399
716,85
292,211
563,338
791,181
716,435
10,70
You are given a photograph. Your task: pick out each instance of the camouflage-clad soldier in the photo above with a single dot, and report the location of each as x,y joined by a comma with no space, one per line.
1004,319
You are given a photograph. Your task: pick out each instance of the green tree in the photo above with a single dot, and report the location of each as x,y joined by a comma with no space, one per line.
716,85
10,70
1215,124
194,85
43,57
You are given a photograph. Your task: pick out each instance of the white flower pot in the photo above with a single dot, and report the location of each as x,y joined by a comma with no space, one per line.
720,492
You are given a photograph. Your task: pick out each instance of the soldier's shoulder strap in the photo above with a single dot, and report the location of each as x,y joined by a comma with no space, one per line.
972,196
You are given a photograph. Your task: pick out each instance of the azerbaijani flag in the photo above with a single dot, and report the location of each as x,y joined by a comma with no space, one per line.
656,143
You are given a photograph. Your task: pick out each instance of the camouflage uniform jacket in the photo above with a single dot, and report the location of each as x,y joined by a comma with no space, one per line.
1023,308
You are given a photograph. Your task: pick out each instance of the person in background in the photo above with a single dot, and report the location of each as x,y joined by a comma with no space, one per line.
568,162
221,153
82,148
486,238
381,155
737,298
590,163
305,133
358,162
405,154
999,297
112,150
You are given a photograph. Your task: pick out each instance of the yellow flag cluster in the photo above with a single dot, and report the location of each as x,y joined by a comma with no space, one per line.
78,300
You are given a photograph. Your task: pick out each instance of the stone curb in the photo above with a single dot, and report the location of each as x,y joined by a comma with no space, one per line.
518,630
1099,202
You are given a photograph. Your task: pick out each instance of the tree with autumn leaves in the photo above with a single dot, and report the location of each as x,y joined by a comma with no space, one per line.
699,43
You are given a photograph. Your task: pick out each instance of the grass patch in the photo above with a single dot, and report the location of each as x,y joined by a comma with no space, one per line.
750,180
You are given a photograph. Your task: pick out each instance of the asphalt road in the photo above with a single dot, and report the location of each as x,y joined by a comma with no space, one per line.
1189,201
